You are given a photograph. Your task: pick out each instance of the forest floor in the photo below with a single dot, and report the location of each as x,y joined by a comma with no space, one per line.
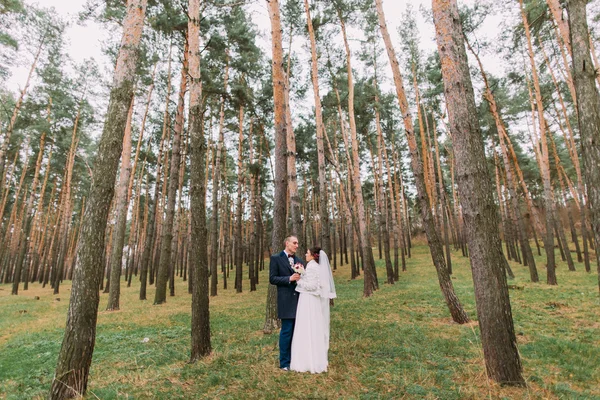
398,344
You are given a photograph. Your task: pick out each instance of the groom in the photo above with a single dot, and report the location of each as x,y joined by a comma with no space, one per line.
282,275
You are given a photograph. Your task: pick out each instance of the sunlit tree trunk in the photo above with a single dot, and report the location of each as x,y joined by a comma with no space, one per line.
294,196
74,359
325,239
66,212
239,204
200,328
15,230
498,338
281,175
435,245
588,106
517,222
544,161
28,215
216,183
370,274
384,221
146,270
167,232
122,206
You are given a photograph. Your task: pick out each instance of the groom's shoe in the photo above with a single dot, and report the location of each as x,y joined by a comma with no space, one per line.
285,369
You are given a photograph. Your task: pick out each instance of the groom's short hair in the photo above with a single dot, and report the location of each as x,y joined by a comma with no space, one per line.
287,239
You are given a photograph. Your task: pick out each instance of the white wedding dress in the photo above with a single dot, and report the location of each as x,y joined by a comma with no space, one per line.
310,343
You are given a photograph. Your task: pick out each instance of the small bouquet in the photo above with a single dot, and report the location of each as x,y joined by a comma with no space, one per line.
298,268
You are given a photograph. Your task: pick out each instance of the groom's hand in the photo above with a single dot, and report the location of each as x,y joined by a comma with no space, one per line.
294,277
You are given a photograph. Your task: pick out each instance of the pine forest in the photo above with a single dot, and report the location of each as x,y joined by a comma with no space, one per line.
156,156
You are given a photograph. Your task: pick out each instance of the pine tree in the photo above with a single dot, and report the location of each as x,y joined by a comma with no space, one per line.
588,115
435,245
72,371
498,338
200,329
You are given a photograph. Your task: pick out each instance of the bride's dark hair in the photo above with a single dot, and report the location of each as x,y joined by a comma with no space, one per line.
315,252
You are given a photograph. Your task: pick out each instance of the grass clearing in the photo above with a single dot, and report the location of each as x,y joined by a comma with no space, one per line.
400,343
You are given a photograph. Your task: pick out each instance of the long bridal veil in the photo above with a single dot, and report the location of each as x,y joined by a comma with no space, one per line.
326,277
327,291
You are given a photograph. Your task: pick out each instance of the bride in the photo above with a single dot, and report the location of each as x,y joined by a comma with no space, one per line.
310,342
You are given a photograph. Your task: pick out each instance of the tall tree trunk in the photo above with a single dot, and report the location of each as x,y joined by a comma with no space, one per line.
323,201
253,239
167,232
557,222
481,221
370,273
588,116
543,160
29,216
518,222
75,356
122,207
66,213
442,199
200,301
281,176
435,245
147,260
37,246
395,210
384,222
14,230
239,205
214,233
294,196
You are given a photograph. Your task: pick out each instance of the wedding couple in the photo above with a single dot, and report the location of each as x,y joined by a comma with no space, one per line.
303,296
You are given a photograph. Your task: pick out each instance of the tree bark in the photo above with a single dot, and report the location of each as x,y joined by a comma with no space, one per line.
239,205
370,273
216,183
167,229
200,346
29,216
281,176
474,184
122,207
512,184
323,194
435,244
294,197
71,376
588,116
384,221
543,161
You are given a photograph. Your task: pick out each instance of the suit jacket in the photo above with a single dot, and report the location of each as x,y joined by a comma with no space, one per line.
279,275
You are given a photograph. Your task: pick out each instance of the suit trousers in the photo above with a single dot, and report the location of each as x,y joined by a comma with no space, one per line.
285,342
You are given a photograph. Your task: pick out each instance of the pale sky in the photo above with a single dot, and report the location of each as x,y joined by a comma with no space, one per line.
84,41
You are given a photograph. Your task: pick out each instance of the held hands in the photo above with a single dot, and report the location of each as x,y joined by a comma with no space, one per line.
295,277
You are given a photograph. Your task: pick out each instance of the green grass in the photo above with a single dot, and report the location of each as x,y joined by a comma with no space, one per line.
400,343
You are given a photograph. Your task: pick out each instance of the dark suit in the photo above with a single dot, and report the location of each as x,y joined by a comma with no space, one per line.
287,302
